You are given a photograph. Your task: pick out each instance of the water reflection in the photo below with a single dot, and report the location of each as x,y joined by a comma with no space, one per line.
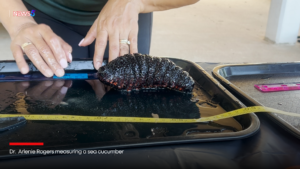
50,92
91,97
94,98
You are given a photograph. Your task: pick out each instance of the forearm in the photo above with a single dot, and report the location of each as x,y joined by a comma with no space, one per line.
12,23
160,5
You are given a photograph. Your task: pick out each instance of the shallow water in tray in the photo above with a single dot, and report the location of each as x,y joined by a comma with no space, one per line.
92,98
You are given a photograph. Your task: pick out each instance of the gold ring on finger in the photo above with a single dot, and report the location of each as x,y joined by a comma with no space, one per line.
25,44
125,41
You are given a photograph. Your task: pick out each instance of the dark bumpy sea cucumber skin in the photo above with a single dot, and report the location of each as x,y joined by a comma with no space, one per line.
137,71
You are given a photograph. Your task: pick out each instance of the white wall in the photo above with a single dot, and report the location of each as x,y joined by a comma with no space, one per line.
283,21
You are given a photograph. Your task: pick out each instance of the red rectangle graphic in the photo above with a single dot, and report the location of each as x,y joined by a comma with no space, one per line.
26,144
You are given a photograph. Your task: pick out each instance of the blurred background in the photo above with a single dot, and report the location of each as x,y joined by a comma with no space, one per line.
210,31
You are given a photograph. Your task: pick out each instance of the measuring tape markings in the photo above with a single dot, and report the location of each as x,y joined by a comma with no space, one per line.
254,109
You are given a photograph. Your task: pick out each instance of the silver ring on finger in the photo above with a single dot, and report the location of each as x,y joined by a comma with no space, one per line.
125,41
25,44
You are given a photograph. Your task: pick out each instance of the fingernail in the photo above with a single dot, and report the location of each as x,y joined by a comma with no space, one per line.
80,42
63,90
60,72
63,63
49,73
98,65
23,70
70,56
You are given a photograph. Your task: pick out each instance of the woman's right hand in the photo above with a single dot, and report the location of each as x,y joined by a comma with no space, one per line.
47,51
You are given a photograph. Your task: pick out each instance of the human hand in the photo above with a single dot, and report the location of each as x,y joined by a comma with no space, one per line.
49,92
47,51
117,21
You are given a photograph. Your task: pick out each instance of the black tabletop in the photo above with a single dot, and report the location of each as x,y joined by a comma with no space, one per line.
271,147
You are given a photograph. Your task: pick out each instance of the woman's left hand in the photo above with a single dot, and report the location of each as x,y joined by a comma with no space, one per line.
117,21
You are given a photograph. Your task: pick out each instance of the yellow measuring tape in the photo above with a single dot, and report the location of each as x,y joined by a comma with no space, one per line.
254,109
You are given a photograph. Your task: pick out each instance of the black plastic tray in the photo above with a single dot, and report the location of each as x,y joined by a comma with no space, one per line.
240,79
249,122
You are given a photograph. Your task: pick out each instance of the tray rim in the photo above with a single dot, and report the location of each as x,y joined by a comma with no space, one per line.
277,119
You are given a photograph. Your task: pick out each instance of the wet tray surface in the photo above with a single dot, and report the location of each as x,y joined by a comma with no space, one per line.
242,78
92,98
